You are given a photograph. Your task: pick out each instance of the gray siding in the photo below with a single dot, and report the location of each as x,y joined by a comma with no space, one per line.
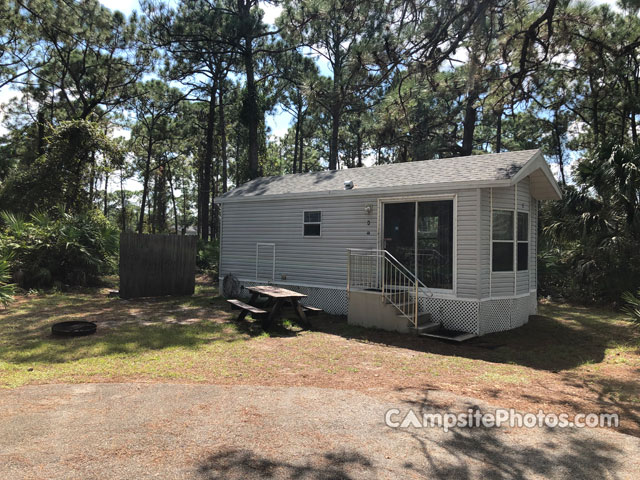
533,247
485,242
306,260
467,236
322,261
503,198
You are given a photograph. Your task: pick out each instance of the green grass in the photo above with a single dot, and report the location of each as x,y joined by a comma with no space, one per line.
194,339
154,338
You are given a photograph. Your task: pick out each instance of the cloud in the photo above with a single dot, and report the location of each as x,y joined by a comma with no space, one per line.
271,12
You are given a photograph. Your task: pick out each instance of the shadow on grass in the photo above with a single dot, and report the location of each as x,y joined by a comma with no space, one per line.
124,327
568,337
129,340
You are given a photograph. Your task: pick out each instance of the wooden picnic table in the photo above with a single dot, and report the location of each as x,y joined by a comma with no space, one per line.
277,298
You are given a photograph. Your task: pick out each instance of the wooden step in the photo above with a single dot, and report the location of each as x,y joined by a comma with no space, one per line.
245,306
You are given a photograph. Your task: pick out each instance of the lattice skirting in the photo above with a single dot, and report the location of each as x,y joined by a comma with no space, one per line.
505,314
481,317
473,316
331,300
453,314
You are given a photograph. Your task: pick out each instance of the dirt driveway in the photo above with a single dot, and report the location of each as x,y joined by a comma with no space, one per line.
174,431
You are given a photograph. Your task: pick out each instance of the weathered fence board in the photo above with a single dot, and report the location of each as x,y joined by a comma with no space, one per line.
157,265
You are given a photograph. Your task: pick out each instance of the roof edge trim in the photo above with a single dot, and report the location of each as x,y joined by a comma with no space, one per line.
417,188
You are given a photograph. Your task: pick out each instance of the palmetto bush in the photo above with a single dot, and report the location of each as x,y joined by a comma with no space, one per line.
590,239
6,288
632,306
74,249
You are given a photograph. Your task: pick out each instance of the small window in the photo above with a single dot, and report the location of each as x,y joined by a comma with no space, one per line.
523,227
502,225
503,256
523,255
502,241
312,221
523,241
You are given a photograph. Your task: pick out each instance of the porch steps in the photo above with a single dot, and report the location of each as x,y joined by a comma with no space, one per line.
425,328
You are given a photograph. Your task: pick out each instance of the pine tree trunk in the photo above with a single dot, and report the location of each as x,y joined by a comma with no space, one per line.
40,139
295,143
173,199
208,160
251,104
145,184
106,193
333,147
222,127
123,201
499,132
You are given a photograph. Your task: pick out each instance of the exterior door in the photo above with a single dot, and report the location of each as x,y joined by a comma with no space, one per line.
400,232
420,235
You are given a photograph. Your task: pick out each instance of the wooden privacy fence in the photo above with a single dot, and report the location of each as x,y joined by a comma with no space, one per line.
156,265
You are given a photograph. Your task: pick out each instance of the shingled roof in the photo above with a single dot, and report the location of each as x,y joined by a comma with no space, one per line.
498,169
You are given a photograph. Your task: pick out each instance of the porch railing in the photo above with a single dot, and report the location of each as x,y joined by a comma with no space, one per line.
379,271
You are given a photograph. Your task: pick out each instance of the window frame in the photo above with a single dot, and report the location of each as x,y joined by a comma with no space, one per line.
305,223
511,242
526,241
381,201
515,242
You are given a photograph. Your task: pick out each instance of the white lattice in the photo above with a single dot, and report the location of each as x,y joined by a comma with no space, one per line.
495,316
331,300
520,311
453,314
505,314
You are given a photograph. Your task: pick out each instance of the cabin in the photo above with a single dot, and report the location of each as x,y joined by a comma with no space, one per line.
443,247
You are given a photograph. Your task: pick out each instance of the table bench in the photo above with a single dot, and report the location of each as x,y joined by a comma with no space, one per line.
245,308
277,297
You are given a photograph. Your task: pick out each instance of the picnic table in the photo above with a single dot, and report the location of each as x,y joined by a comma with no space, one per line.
277,297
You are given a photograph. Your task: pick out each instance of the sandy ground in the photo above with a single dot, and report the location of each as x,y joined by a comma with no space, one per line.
174,431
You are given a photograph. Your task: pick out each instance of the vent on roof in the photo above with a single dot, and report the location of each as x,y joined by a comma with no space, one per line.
348,185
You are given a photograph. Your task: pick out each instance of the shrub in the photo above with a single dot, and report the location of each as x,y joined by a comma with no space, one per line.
632,307
6,288
208,256
74,249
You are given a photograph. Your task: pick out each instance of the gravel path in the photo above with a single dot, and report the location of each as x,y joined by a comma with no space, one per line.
173,431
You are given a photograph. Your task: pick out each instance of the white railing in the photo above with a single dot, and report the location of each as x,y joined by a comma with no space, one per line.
378,270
